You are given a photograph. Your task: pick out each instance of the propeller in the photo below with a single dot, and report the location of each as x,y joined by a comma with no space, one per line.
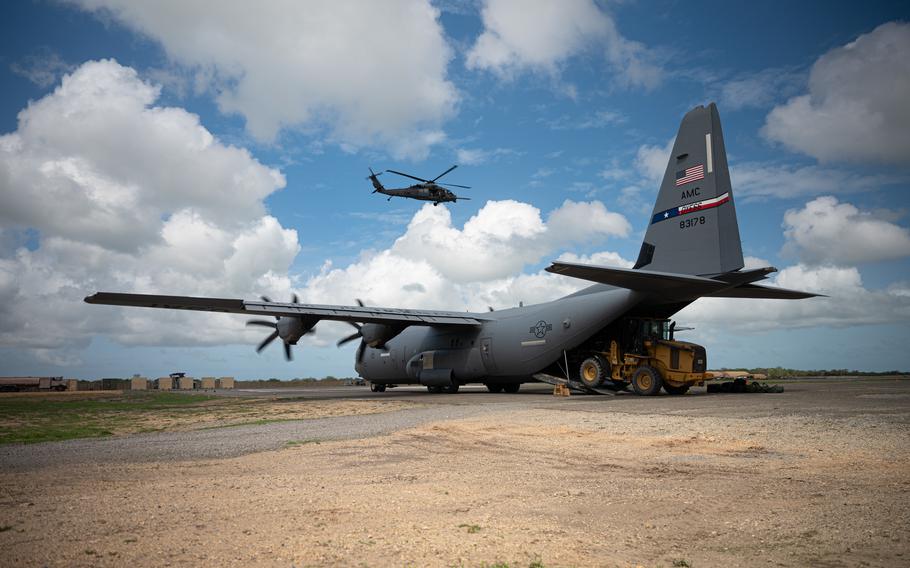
355,335
374,335
289,328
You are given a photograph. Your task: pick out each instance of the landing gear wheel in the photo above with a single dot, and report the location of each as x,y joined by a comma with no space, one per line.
592,372
434,390
511,387
377,387
450,389
676,390
646,381
493,387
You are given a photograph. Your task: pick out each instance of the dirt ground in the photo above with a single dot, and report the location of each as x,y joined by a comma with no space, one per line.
550,487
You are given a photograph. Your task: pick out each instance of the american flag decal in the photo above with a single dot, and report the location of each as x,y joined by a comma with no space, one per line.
689,175
691,208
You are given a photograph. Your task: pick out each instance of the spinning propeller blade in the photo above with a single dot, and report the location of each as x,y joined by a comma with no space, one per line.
268,340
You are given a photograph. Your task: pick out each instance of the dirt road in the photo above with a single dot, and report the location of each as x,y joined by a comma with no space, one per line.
650,482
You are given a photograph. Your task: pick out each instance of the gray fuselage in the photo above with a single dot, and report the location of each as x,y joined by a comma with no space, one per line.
510,344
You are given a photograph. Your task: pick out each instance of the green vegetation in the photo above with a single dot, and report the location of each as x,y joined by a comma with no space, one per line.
784,373
472,529
292,383
33,419
45,417
681,563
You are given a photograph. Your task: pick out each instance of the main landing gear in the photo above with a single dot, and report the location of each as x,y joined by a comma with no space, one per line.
447,389
503,387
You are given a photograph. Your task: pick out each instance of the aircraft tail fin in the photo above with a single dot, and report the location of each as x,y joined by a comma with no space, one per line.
693,228
374,178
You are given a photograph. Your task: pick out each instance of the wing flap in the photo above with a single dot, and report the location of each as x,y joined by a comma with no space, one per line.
314,311
167,302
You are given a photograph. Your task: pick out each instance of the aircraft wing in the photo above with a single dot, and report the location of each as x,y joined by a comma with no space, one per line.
366,314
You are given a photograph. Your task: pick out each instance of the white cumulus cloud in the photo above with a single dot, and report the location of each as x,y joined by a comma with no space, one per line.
365,73
856,109
827,231
848,303
127,196
540,36
502,237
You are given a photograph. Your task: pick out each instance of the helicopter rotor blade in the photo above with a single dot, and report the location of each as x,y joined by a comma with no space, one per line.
263,323
455,185
443,173
409,176
287,351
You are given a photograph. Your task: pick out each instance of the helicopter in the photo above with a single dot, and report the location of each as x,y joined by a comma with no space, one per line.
427,190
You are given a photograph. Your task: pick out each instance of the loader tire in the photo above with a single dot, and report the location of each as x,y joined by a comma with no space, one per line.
676,390
592,372
646,381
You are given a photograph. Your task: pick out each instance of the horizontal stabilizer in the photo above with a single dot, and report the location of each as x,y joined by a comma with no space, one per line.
767,292
739,277
639,280
676,287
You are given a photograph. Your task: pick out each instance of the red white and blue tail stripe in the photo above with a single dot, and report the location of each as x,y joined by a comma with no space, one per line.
691,208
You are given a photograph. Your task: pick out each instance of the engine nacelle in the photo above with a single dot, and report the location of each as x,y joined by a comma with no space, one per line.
291,328
376,334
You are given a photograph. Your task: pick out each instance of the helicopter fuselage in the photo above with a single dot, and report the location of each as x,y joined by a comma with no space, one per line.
427,190
422,192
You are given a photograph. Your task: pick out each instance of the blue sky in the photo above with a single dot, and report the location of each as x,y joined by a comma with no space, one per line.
200,149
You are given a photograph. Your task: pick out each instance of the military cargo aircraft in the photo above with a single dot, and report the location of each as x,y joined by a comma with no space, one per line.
426,190
612,334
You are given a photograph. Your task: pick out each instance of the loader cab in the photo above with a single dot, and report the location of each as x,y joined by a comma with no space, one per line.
640,332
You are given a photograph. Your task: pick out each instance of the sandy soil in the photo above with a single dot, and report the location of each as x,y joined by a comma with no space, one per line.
560,487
